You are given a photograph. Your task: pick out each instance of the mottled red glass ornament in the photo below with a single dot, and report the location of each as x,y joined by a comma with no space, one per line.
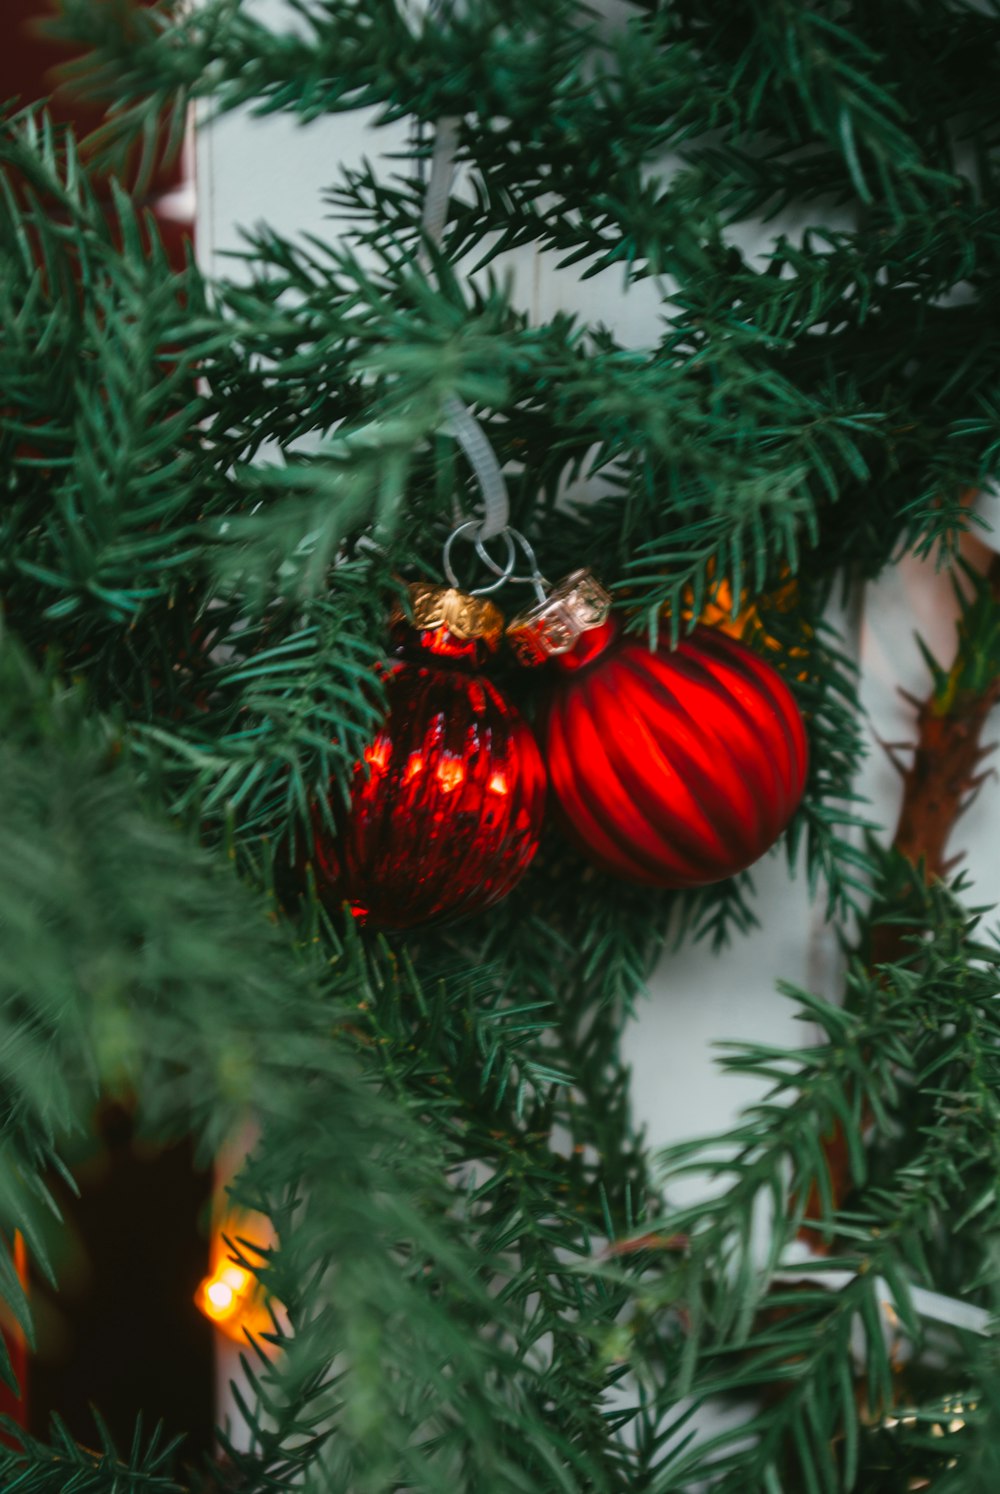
676,767
446,809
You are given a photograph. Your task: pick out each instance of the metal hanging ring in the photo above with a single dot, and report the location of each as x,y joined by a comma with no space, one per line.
503,572
535,579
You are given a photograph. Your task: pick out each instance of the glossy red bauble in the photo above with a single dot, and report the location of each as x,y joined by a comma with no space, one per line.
446,809
673,768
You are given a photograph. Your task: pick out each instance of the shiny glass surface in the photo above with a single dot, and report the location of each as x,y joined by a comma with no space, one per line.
446,808
674,769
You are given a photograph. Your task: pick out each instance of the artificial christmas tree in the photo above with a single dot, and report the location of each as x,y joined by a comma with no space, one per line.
212,486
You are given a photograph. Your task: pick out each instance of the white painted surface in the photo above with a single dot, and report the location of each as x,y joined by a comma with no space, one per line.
274,170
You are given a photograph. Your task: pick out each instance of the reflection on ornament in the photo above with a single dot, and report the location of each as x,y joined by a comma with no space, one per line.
446,807
377,755
15,1404
450,774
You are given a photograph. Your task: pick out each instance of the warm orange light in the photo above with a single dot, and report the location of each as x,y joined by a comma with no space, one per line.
377,755
450,774
498,784
717,610
414,767
219,1298
228,1291
232,1297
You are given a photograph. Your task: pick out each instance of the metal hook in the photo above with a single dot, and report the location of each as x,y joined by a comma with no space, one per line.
503,572
536,579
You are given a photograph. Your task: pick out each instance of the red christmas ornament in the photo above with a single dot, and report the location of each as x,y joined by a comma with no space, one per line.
673,768
446,810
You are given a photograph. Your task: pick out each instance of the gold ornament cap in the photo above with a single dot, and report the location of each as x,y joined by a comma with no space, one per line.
466,617
573,607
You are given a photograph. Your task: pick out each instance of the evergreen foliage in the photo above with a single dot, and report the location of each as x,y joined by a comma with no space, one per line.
211,490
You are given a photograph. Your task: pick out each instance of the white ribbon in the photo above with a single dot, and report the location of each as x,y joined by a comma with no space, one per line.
462,424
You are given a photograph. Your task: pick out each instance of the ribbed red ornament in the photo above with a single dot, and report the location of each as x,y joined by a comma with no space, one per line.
673,768
446,810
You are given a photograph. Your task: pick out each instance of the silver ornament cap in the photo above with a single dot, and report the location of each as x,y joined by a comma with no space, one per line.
574,606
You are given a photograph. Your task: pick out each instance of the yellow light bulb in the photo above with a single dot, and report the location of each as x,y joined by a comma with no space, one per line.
229,1294
220,1299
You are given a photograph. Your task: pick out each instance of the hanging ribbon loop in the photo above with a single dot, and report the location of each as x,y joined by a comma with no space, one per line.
462,423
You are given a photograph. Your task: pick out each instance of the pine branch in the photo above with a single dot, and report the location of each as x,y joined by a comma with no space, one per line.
938,786
63,1467
943,776
925,1025
132,962
447,1146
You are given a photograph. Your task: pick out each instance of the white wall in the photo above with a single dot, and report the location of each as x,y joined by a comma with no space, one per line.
272,169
